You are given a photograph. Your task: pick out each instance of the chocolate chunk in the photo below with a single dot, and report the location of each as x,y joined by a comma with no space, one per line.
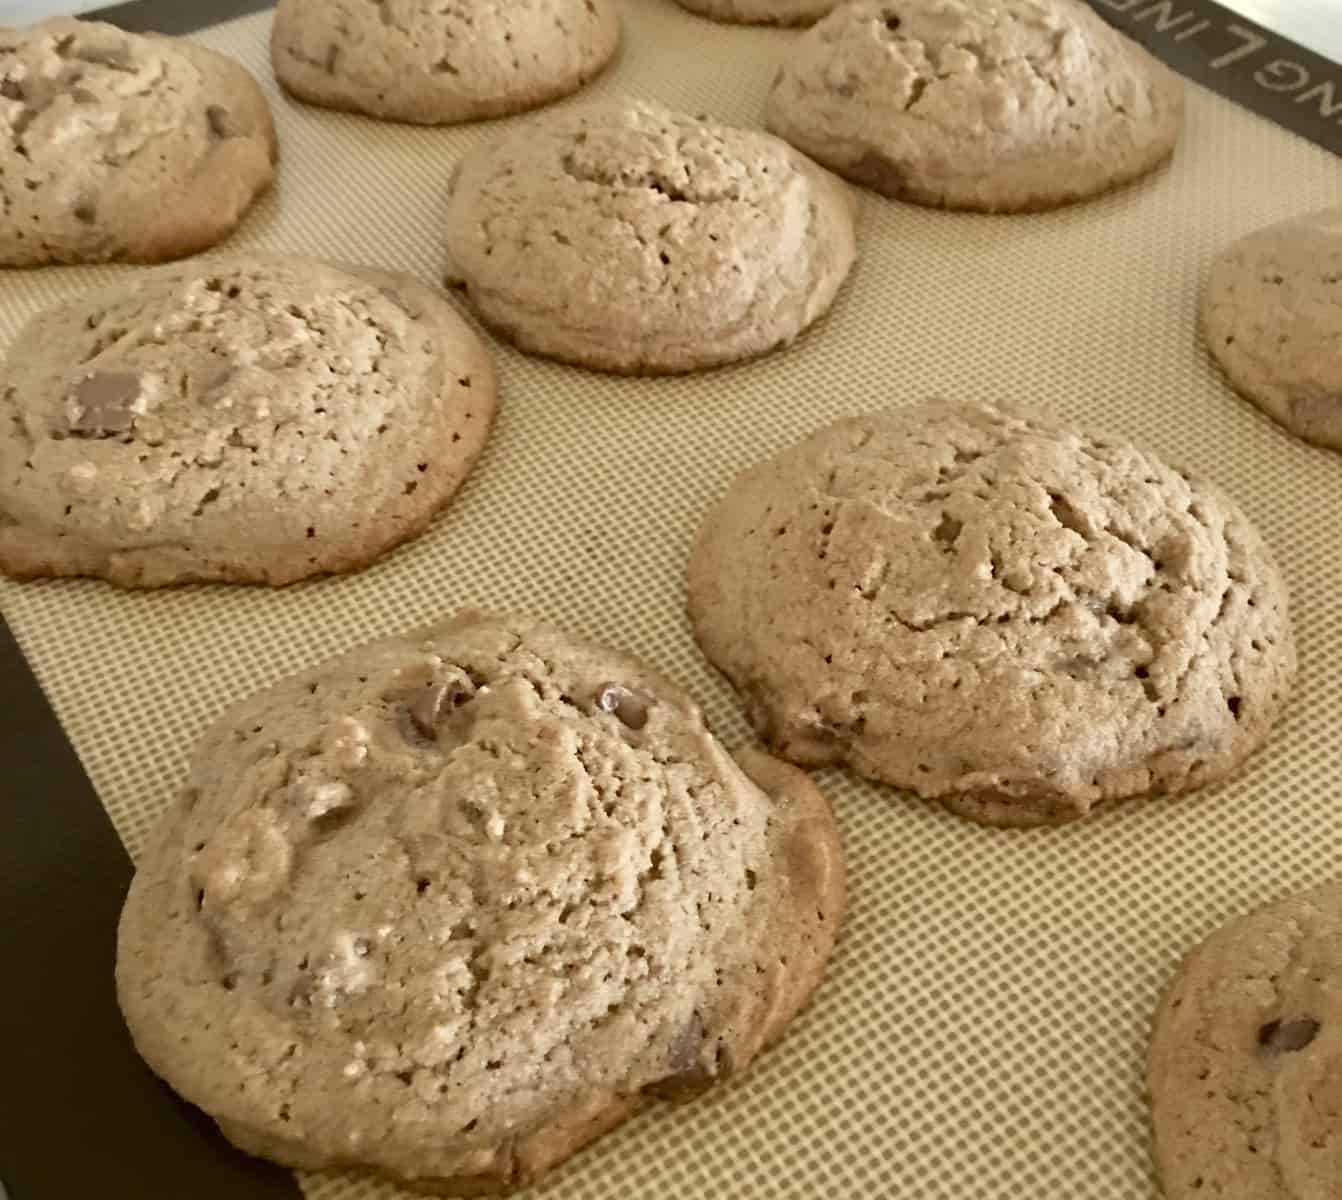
103,400
220,121
628,708
689,1076
1285,1037
10,89
948,530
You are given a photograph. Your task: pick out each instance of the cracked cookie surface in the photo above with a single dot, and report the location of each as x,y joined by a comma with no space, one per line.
761,12
454,904
438,63
630,238
1272,318
987,609
996,106
249,419
116,147
1245,1062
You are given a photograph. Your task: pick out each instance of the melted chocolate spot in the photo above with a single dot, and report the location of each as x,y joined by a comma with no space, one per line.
1286,1037
104,400
688,1074
948,530
220,122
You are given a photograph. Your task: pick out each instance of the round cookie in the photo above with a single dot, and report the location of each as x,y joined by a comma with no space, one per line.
1245,1063
455,904
629,238
248,419
761,12
1011,617
115,147
415,60
991,105
1272,317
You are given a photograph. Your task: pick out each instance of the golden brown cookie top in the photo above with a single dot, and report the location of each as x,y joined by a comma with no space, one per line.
1272,316
1015,617
115,146
994,105
243,419
1245,1062
433,63
450,905
628,237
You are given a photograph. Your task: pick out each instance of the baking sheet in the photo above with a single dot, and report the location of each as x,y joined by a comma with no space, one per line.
982,1030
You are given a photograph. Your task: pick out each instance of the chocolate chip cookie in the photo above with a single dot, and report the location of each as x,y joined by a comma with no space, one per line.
1272,317
1245,1066
248,420
630,238
991,105
120,147
1015,618
434,64
455,904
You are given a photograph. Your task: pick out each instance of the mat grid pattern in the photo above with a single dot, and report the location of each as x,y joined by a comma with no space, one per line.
982,1030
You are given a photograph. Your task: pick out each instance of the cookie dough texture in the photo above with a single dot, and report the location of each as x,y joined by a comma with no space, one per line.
1009,616
247,420
453,905
761,12
120,147
630,238
1245,1066
990,105
1272,317
433,63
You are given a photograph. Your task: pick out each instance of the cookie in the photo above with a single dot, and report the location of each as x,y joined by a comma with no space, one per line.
990,105
116,147
435,64
248,420
630,238
987,609
761,12
455,904
1272,317
1245,1064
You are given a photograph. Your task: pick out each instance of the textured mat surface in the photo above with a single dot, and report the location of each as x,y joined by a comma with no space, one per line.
982,1031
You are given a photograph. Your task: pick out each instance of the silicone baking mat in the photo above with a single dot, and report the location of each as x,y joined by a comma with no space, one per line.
982,1030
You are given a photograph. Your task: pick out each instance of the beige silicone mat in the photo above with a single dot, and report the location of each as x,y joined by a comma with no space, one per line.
982,1030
